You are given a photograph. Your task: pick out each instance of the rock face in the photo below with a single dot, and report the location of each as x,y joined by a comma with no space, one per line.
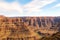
16,29
27,27
44,25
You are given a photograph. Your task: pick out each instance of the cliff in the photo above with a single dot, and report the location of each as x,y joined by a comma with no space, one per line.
41,25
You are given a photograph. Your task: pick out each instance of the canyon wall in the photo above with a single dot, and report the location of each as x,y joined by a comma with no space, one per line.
41,25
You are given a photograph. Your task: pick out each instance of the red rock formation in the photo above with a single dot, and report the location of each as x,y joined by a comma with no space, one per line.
41,24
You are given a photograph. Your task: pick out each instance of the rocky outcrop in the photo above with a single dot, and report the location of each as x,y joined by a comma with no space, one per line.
40,25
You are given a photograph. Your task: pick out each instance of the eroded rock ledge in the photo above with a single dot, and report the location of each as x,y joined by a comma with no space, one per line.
28,28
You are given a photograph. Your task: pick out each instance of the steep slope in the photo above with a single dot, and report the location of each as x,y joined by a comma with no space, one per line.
41,25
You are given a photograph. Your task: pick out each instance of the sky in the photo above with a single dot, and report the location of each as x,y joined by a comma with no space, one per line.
13,8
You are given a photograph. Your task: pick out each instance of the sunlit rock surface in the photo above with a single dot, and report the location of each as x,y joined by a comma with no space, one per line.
28,28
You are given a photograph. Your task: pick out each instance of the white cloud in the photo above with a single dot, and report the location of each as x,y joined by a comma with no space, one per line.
11,6
9,12
32,7
58,5
36,5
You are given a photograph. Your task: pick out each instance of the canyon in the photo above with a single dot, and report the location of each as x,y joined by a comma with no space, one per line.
28,27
